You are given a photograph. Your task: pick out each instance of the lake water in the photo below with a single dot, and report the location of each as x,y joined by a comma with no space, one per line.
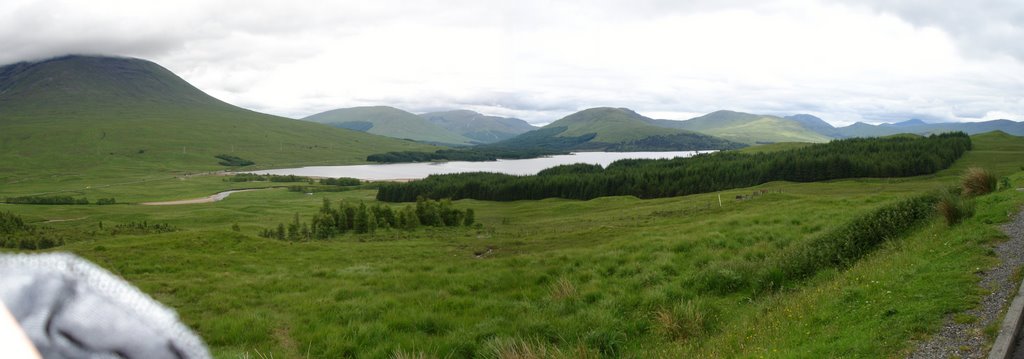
407,171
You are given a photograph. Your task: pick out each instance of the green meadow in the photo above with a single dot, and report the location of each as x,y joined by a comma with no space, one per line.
608,277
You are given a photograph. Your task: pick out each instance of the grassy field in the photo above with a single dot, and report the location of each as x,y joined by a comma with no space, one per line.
611,277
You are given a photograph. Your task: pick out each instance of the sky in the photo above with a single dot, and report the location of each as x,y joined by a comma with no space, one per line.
842,60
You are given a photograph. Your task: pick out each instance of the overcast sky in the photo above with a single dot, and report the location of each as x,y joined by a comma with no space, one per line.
845,61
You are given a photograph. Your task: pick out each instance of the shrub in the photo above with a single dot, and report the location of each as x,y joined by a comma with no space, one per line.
954,208
978,181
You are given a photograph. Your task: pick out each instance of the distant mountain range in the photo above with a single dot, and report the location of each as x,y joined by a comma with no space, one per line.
919,127
390,122
615,129
453,128
749,128
478,127
107,116
607,126
79,114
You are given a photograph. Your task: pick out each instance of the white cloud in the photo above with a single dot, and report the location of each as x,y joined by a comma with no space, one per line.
540,60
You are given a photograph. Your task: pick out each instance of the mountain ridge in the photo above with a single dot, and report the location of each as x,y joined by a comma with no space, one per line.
751,128
478,127
616,129
390,122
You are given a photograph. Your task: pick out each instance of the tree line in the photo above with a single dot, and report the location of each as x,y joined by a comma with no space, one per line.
252,177
47,200
849,158
348,217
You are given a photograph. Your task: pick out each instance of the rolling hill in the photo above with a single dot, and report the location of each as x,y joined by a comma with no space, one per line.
85,118
390,122
749,128
479,127
618,129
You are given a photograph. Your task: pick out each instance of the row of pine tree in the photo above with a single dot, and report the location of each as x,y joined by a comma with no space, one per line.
348,217
850,158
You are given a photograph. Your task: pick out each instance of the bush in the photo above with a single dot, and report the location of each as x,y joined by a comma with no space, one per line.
954,208
978,181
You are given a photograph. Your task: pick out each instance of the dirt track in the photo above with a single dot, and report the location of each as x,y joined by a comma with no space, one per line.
207,199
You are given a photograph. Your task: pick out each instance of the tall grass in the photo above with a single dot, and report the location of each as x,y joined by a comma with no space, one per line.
977,181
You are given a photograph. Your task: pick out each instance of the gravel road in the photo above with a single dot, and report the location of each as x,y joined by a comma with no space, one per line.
967,340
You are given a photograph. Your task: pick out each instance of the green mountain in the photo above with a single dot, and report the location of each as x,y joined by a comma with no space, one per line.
478,127
616,129
82,118
814,123
919,127
390,122
749,128
611,125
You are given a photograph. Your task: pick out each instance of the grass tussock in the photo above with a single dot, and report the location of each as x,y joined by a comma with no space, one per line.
954,208
977,181
521,349
685,320
564,289
517,348
401,354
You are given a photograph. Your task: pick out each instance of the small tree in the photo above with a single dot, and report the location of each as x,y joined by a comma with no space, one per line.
409,218
362,220
325,208
470,217
371,222
293,229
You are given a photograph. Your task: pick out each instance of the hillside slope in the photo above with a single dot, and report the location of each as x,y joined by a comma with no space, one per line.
749,128
479,127
82,118
390,122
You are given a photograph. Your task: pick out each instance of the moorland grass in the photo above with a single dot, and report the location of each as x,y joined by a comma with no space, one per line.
607,277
